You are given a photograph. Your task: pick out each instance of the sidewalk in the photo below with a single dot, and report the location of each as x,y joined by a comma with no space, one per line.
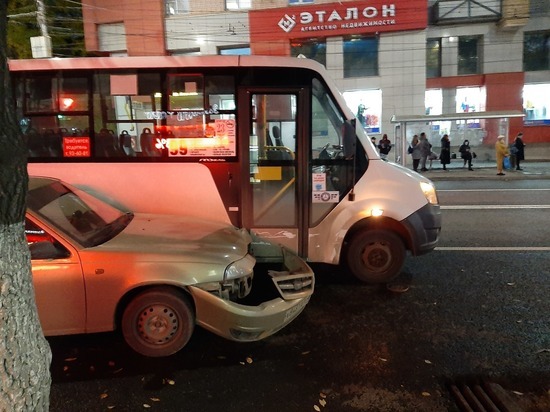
487,170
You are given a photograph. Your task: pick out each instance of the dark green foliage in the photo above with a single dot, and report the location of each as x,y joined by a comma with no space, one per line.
63,21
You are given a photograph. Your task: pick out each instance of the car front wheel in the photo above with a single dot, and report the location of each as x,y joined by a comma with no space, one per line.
158,322
376,256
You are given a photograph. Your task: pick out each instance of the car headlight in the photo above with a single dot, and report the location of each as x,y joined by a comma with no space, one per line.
240,268
429,191
237,282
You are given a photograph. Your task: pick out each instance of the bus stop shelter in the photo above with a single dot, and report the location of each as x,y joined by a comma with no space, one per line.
479,128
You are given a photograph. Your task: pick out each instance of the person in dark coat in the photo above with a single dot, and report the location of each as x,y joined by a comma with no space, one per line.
466,154
445,155
384,146
519,151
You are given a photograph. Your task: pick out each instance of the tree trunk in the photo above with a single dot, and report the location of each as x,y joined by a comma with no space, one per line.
25,355
24,352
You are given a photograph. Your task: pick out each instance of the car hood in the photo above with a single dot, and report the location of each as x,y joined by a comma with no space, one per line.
179,238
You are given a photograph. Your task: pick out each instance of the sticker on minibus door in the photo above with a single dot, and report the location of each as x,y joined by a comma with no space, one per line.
331,196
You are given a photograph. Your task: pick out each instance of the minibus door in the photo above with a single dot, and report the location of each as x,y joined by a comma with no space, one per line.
274,140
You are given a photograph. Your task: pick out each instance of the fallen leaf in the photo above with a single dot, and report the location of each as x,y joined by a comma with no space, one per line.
155,399
322,395
511,283
316,408
70,359
307,352
427,361
103,396
383,359
145,405
65,368
426,394
322,402
111,407
517,393
249,360
170,382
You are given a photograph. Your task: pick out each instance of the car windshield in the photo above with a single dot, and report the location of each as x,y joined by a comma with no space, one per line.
78,214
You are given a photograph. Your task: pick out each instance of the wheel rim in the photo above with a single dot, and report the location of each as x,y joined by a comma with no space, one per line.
157,324
377,257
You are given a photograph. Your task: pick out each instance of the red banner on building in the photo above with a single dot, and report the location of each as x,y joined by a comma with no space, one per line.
337,19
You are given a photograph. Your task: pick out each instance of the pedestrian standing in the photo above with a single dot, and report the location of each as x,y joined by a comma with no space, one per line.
518,149
501,152
414,151
384,146
466,154
445,155
425,149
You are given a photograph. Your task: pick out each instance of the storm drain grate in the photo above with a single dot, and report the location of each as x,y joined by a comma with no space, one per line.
482,397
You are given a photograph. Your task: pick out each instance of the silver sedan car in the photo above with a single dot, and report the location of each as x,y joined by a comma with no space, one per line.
153,277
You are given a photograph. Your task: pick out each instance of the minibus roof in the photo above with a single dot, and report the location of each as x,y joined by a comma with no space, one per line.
152,62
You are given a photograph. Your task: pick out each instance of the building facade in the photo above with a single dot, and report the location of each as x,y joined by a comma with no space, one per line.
400,57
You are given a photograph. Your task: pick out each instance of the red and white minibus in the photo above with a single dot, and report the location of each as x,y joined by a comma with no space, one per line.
265,143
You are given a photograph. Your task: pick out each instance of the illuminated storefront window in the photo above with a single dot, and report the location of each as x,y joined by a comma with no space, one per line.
470,99
536,103
433,100
367,106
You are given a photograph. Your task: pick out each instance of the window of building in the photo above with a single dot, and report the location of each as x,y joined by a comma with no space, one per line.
293,2
469,55
312,49
111,37
536,51
367,106
360,56
536,103
238,4
194,51
433,58
174,7
433,101
234,50
470,99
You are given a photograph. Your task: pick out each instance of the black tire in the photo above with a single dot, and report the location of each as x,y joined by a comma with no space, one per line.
376,256
158,322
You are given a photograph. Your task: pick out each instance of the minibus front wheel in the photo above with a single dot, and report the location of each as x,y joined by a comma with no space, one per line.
376,256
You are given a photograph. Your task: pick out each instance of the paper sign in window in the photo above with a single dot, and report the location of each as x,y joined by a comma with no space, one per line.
124,85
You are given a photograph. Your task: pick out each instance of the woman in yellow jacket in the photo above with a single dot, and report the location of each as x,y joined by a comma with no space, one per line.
501,152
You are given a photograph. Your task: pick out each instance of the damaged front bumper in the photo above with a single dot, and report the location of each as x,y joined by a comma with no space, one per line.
293,281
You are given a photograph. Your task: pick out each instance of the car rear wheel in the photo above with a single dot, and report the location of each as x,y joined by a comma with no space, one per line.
158,322
376,256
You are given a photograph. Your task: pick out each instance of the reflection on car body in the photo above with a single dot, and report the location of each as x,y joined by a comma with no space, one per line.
96,268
